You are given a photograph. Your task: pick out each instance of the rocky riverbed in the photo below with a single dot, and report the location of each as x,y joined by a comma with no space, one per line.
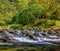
35,39
45,35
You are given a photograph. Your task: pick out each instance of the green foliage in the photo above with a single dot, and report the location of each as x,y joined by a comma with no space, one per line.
48,24
29,14
29,11
15,26
19,26
2,23
14,18
9,7
27,26
54,15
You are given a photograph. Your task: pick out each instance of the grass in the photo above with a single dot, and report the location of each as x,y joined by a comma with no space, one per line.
57,22
37,48
18,48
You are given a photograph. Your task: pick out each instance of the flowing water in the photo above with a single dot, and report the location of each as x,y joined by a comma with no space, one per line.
41,41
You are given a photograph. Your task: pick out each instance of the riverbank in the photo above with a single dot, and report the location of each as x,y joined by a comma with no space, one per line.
27,48
20,26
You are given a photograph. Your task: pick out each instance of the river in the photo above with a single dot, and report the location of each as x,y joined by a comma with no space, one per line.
29,40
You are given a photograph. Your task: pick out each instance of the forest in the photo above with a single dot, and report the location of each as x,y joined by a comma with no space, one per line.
29,13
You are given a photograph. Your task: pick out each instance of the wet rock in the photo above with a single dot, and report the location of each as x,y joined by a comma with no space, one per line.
11,31
1,31
30,35
45,30
1,40
24,33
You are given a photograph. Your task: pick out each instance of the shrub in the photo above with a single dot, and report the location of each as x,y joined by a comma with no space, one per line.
13,19
29,14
